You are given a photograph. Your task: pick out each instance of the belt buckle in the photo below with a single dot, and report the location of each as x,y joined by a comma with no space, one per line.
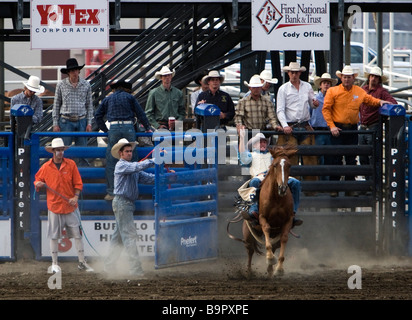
74,118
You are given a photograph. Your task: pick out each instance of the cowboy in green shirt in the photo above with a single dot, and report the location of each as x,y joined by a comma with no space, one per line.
165,101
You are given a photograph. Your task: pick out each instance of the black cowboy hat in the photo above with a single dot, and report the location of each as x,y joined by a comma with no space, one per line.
71,64
198,79
121,83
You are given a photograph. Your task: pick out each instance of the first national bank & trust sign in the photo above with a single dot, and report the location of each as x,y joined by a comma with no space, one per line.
290,25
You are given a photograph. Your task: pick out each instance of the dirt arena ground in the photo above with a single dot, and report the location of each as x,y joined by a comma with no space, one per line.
316,273
220,279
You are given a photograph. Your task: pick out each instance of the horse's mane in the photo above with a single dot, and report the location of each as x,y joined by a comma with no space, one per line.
279,151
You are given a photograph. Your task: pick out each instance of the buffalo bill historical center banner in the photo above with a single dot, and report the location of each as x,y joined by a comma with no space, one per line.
69,24
290,25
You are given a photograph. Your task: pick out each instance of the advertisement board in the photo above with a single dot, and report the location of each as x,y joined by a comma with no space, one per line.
97,233
290,25
5,238
69,24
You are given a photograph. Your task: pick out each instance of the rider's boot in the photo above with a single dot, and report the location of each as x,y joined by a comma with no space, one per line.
252,214
296,222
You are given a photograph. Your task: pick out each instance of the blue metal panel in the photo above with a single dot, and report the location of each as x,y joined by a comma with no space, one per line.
186,208
7,189
186,241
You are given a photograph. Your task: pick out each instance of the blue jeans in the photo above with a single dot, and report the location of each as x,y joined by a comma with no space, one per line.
74,126
117,132
68,126
294,185
125,235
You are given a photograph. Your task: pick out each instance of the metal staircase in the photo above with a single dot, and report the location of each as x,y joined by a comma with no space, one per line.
188,38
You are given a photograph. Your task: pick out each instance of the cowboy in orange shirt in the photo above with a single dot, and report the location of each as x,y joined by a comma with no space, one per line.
341,112
63,182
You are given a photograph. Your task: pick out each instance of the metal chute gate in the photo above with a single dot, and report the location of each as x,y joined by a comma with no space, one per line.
186,205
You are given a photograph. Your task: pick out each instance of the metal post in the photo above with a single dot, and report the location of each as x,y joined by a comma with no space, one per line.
395,219
21,116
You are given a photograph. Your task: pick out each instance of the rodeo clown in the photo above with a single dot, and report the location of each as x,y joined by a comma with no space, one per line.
259,160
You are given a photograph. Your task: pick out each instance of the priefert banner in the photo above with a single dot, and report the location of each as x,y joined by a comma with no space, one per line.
69,24
290,25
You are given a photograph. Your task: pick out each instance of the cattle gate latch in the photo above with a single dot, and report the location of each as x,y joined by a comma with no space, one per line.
21,110
392,110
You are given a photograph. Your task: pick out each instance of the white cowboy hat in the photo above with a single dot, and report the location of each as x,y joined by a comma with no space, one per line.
347,71
213,74
294,66
121,143
259,136
324,77
255,82
377,72
56,143
164,72
267,76
33,84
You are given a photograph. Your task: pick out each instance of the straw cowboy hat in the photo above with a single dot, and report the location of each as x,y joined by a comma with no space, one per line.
325,77
213,74
294,66
377,72
259,136
33,84
164,72
71,64
121,83
56,143
267,76
347,71
255,82
120,144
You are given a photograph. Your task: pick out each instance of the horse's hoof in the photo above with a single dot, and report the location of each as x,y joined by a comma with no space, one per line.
279,272
271,261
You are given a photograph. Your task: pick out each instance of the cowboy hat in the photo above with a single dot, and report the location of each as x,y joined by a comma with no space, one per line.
267,76
259,136
56,143
324,77
121,83
213,74
164,72
347,71
71,64
294,66
33,84
255,82
120,144
199,77
377,72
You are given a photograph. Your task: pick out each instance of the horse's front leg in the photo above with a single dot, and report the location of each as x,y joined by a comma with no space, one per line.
283,241
279,266
270,257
